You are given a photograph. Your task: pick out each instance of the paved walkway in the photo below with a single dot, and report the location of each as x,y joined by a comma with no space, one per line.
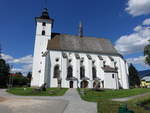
69,103
77,105
131,97
23,104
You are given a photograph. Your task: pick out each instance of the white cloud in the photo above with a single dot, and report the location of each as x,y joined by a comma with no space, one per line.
23,60
137,60
25,63
24,69
7,57
134,42
138,28
138,7
146,21
27,59
17,70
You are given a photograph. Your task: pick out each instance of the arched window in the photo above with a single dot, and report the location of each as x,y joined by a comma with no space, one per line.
43,32
94,72
44,24
82,72
69,72
56,71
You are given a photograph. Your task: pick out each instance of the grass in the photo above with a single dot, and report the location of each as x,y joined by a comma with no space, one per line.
105,105
95,96
31,92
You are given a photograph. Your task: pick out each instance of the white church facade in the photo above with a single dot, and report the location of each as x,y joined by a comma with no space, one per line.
75,61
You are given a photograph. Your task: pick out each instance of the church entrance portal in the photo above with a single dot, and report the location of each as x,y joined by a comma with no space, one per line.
71,84
96,84
84,84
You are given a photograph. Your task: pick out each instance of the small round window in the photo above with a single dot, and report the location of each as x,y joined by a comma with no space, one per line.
57,59
70,60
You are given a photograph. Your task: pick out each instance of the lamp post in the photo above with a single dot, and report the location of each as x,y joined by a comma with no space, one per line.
10,82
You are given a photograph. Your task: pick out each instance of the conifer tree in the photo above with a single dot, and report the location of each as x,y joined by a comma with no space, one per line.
134,79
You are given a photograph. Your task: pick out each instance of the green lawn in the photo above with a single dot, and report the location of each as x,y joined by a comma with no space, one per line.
105,105
31,92
94,96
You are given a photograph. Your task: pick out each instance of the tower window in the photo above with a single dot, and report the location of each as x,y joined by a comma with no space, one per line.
44,23
57,59
43,32
113,76
104,63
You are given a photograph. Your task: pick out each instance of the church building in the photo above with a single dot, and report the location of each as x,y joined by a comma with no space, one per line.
70,61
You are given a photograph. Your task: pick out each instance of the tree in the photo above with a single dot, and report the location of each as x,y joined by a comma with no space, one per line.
19,79
134,79
147,53
4,73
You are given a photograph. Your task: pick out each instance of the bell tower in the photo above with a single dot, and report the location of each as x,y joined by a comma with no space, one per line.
43,33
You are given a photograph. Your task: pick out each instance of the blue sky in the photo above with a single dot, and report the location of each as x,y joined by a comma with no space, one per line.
124,22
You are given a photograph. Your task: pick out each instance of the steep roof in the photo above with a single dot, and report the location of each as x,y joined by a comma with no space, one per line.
65,42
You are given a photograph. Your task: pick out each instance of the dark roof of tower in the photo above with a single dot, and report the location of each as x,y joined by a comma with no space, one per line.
44,15
65,42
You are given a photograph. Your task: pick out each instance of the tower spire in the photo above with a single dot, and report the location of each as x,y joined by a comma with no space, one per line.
80,29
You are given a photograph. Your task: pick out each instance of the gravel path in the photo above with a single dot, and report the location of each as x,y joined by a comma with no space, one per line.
131,97
77,105
69,103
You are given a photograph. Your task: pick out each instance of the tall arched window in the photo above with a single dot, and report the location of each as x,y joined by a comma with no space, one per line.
56,71
69,72
82,72
94,72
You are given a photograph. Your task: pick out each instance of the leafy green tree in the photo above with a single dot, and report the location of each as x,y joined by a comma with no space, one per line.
134,79
4,73
147,53
19,79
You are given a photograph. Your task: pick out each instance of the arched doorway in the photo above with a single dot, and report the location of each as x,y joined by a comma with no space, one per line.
96,84
84,84
71,84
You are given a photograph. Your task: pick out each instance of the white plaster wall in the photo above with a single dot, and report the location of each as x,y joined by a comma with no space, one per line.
75,63
38,71
47,28
109,82
124,74
53,56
